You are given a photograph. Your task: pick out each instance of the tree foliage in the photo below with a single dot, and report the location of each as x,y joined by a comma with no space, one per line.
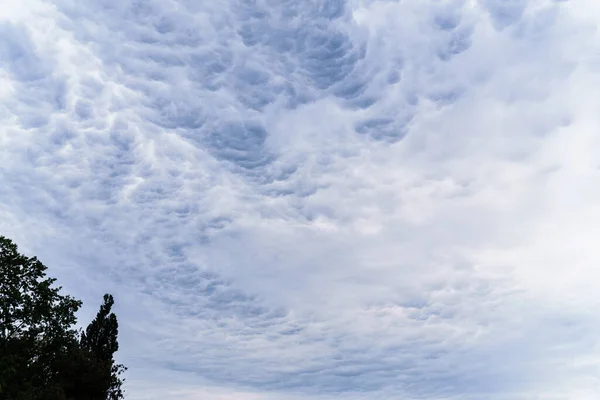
100,341
42,356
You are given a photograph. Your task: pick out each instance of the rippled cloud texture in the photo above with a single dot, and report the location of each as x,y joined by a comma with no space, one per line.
316,199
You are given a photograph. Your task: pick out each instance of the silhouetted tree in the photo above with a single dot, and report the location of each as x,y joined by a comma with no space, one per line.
100,340
42,357
35,326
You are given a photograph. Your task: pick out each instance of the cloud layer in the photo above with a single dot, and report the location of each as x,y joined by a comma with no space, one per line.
316,198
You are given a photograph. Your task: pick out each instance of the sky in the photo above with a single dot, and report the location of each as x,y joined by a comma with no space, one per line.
316,199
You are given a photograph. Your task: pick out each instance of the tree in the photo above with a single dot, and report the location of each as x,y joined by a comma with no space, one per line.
100,340
35,325
42,356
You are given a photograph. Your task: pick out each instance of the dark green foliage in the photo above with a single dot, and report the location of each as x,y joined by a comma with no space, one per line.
100,337
100,340
42,357
35,325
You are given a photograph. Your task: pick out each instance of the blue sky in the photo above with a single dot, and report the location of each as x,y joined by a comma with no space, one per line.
316,199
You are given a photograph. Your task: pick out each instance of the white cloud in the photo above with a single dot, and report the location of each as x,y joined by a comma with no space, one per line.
370,199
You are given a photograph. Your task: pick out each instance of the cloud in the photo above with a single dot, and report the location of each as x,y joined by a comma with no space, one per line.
315,199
